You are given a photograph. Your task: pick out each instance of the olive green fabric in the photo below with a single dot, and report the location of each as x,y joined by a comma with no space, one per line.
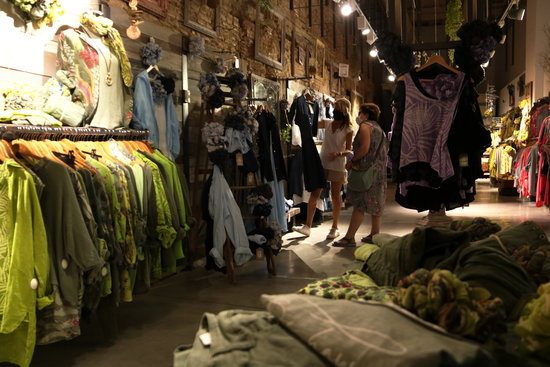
245,338
423,248
373,334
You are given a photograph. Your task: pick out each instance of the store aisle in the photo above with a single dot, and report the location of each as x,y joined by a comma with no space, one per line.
155,323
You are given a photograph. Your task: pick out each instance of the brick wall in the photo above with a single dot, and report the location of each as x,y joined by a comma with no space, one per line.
237,30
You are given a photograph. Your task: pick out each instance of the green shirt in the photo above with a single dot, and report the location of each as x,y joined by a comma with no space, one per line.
23,257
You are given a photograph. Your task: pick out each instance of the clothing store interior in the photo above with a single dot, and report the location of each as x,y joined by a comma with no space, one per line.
274,183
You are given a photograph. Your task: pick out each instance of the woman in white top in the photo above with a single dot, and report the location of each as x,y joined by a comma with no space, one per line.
336,146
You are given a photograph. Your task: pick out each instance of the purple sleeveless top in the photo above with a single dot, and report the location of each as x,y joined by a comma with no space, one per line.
430,109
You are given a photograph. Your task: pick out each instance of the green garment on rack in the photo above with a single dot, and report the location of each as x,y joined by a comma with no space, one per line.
165,233
118,218
23,257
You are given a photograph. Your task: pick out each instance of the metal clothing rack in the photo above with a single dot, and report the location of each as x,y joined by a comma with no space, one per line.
11,132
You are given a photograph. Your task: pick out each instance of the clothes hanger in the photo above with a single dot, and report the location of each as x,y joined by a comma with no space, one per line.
439,61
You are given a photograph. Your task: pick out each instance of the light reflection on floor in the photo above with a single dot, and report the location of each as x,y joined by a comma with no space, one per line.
318,253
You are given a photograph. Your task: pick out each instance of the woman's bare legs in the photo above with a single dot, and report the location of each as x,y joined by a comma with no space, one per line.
357,217
312,206
335,188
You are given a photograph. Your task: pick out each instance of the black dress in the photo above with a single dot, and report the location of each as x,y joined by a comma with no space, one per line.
306,116
269,139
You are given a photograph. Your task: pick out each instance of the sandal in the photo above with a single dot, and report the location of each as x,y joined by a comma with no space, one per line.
367,239
345,242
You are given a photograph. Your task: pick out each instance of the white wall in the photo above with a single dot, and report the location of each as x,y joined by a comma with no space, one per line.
28,54
536,41
503,105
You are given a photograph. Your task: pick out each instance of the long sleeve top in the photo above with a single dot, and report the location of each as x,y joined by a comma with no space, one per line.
23,258
146,118
228,221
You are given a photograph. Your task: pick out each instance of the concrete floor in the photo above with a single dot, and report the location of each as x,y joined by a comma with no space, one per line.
151,327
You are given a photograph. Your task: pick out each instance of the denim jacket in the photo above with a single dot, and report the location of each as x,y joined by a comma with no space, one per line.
144,115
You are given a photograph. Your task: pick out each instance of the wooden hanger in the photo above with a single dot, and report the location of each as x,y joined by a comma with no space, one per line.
436,59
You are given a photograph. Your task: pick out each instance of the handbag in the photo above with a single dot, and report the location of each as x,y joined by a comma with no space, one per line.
296,135
362,178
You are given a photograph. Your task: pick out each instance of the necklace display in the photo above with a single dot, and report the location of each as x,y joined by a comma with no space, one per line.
109,77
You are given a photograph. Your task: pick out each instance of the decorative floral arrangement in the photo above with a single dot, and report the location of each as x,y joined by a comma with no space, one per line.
237,82
211,91
242,118
213,135
196,45
478,41
262,210
151,54
159,92
40,12
443,87
220,65
397,57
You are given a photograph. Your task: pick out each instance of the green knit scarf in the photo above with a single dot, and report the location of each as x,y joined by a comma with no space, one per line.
111,38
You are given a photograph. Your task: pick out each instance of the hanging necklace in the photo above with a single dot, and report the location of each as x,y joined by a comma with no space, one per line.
98,47
109,77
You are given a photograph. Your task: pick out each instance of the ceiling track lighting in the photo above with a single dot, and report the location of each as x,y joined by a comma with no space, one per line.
513,11
373,52
347,7
391,78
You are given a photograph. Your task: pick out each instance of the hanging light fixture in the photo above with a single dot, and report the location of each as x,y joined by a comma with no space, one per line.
365,31
346,7
391,78
373,52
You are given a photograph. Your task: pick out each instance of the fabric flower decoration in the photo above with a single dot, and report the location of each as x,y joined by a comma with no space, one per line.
220,65
262,210
151,54
159,93
218,157
240,91
283,105
196,45
235,77
443,87
217,100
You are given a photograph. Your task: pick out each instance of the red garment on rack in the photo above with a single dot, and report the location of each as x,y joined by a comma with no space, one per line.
543,185
522,174
540,113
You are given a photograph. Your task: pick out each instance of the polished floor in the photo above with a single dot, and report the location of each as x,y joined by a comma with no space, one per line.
150,328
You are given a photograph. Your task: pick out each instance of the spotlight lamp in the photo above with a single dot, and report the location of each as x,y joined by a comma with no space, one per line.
373,52
513,11
365,31
346,8
516,12
391,78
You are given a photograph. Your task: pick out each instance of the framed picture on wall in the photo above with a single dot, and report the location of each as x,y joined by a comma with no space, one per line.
269,38
319,59
335,80
202,16
155,7
300,54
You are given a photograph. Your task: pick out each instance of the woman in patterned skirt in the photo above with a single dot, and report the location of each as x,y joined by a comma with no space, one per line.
370,148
